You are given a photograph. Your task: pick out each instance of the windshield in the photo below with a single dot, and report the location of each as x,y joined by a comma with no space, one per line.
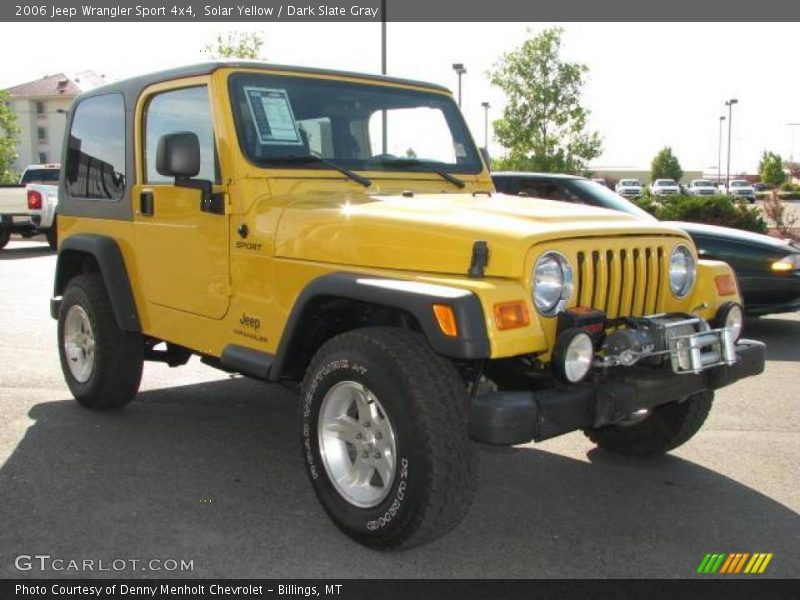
357,126
739,184
702,183
629,182
599,195
665,182
39,176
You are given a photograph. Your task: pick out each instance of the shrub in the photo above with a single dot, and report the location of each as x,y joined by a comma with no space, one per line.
713,210
776,212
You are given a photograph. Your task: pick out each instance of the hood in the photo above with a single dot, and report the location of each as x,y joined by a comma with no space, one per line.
738,236
435,232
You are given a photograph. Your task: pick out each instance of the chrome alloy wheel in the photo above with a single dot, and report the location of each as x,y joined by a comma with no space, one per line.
79,343
357,444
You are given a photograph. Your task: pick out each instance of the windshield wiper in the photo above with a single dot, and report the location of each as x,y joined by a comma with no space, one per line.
431,167
311,158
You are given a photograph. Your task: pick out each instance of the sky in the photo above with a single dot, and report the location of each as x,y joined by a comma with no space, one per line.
649,85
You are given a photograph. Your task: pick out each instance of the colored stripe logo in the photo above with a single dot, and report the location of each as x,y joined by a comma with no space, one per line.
734,563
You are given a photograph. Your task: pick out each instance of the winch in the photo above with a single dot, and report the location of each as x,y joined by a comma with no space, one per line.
688,342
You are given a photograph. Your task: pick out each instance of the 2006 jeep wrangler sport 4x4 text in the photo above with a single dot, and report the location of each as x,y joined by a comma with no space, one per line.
342,231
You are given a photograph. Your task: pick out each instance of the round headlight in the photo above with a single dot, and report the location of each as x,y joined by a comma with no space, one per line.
552,283
731,316
573,355
682,271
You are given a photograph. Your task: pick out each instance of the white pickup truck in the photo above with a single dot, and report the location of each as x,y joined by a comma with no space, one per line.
29,208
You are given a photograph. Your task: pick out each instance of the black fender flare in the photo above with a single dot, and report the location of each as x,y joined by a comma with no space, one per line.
108,256
416,298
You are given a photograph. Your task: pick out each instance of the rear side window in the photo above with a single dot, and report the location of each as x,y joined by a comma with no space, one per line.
95,166
186,109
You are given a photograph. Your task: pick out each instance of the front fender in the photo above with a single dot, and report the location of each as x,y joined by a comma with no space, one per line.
706,299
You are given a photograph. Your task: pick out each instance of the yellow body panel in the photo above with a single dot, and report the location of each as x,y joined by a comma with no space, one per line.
196,280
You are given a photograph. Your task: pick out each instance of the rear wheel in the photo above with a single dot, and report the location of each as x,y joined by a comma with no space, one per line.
385,438
664,429
52,235
5,236
101,363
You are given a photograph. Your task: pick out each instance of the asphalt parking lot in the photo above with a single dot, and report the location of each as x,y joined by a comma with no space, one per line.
205,467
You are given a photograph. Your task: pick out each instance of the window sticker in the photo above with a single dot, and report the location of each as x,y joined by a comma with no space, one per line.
273,116
461,152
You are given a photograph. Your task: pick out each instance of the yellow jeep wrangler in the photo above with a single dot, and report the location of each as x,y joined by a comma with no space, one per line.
341,231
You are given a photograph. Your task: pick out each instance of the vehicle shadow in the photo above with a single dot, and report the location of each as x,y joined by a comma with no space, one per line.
779,334
212,473
14,252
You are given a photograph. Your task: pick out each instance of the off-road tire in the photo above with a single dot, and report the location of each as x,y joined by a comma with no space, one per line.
118,355
426,402
666,428
5,236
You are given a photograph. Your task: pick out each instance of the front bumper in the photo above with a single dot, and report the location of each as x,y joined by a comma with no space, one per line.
517,417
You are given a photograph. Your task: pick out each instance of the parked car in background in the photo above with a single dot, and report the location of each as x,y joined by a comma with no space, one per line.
767,268
600,180
29,207
763,187
741,188
630,188
665,187
702,187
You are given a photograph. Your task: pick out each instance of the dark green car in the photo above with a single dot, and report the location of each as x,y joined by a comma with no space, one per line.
768,269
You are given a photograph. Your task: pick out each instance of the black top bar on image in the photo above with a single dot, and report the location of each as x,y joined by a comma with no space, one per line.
397,10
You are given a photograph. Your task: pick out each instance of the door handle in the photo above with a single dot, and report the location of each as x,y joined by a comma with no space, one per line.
146,203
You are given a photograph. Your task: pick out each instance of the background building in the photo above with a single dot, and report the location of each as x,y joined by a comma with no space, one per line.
41,107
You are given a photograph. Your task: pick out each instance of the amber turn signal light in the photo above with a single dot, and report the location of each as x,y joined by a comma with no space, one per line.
726,285
511,315
446,319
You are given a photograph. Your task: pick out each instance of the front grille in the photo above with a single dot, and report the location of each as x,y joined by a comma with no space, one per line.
622,283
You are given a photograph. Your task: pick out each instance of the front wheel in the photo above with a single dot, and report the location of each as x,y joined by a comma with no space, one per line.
385,438
101,363
664,429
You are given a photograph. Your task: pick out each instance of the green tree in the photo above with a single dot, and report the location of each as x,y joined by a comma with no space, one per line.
544,125
665,165
237,44
771,168
9,138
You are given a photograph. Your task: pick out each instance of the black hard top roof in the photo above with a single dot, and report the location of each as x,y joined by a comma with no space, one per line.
132,87
523,174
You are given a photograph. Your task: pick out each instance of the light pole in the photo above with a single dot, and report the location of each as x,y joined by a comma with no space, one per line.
384,120
729,104
485,106
460,70
383,37
719,152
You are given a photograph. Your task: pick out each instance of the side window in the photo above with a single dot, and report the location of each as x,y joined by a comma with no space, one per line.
95,166
186,109
548,191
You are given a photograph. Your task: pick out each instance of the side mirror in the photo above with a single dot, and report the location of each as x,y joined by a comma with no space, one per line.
178,155
486,158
